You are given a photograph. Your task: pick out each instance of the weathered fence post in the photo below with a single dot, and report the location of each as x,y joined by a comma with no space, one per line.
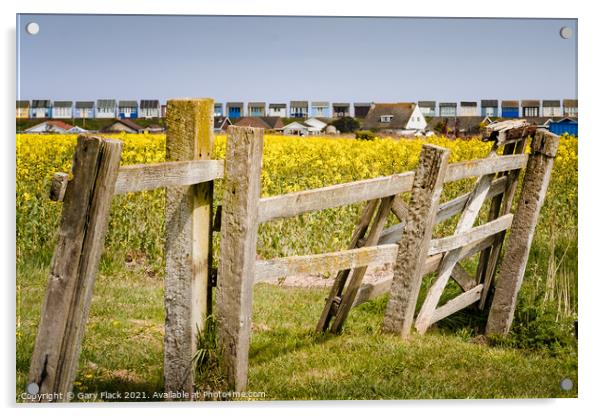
188,216
415,240
514,263
84,219
236,273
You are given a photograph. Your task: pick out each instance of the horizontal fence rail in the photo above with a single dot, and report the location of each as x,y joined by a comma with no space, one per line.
455,241
136,178
295,203
146,177
487,166
340,260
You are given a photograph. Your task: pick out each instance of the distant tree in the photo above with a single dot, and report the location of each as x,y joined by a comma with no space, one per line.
346,124
365,135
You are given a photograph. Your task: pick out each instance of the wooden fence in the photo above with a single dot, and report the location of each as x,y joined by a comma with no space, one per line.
189,177
408,244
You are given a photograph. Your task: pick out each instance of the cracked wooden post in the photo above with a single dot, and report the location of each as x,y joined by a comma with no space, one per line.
242,188
415,240
188,216
535,184
82,230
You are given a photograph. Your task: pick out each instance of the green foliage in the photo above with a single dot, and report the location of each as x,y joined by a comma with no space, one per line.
206,360
365,135
346,124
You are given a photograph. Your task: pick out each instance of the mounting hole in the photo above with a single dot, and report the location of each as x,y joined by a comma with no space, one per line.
32,28
566,384
566,32
33,388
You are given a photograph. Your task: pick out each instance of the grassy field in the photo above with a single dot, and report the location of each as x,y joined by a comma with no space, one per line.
122,349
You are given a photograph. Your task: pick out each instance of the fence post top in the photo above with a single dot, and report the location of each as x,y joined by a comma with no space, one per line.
434,148
545,143
246,128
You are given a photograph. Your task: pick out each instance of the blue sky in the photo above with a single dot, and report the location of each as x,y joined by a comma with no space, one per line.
278,59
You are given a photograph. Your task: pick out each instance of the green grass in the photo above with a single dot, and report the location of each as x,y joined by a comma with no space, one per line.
123,346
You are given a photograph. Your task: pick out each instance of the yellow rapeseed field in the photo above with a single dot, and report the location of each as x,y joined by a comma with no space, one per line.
290,164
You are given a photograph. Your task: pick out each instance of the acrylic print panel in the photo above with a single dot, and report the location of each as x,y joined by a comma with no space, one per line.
343,216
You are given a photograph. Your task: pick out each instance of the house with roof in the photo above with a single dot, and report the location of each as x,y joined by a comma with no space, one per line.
149,109
360,110
570,108
266,122
566,125
84,109
428,108
489,108
510,108
277,110
41,109
319,109
127,109
256,109
123,125
62,109
106,108
299,109
303,128
468,109
316,124
234,110
340,110
448,109
22,109
530,108
50,126
218,109
396,118
551,108
220,124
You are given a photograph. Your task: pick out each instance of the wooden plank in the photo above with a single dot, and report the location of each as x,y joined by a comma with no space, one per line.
458,303
236,273
414,244
432,263
535,184
446,211
295,203
400,209
341,279
358,274
392,234
320,263
486,166
136,178
489,257
463,278
466,221
58,186
81,234
188,216
461,239
456,205
369,291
